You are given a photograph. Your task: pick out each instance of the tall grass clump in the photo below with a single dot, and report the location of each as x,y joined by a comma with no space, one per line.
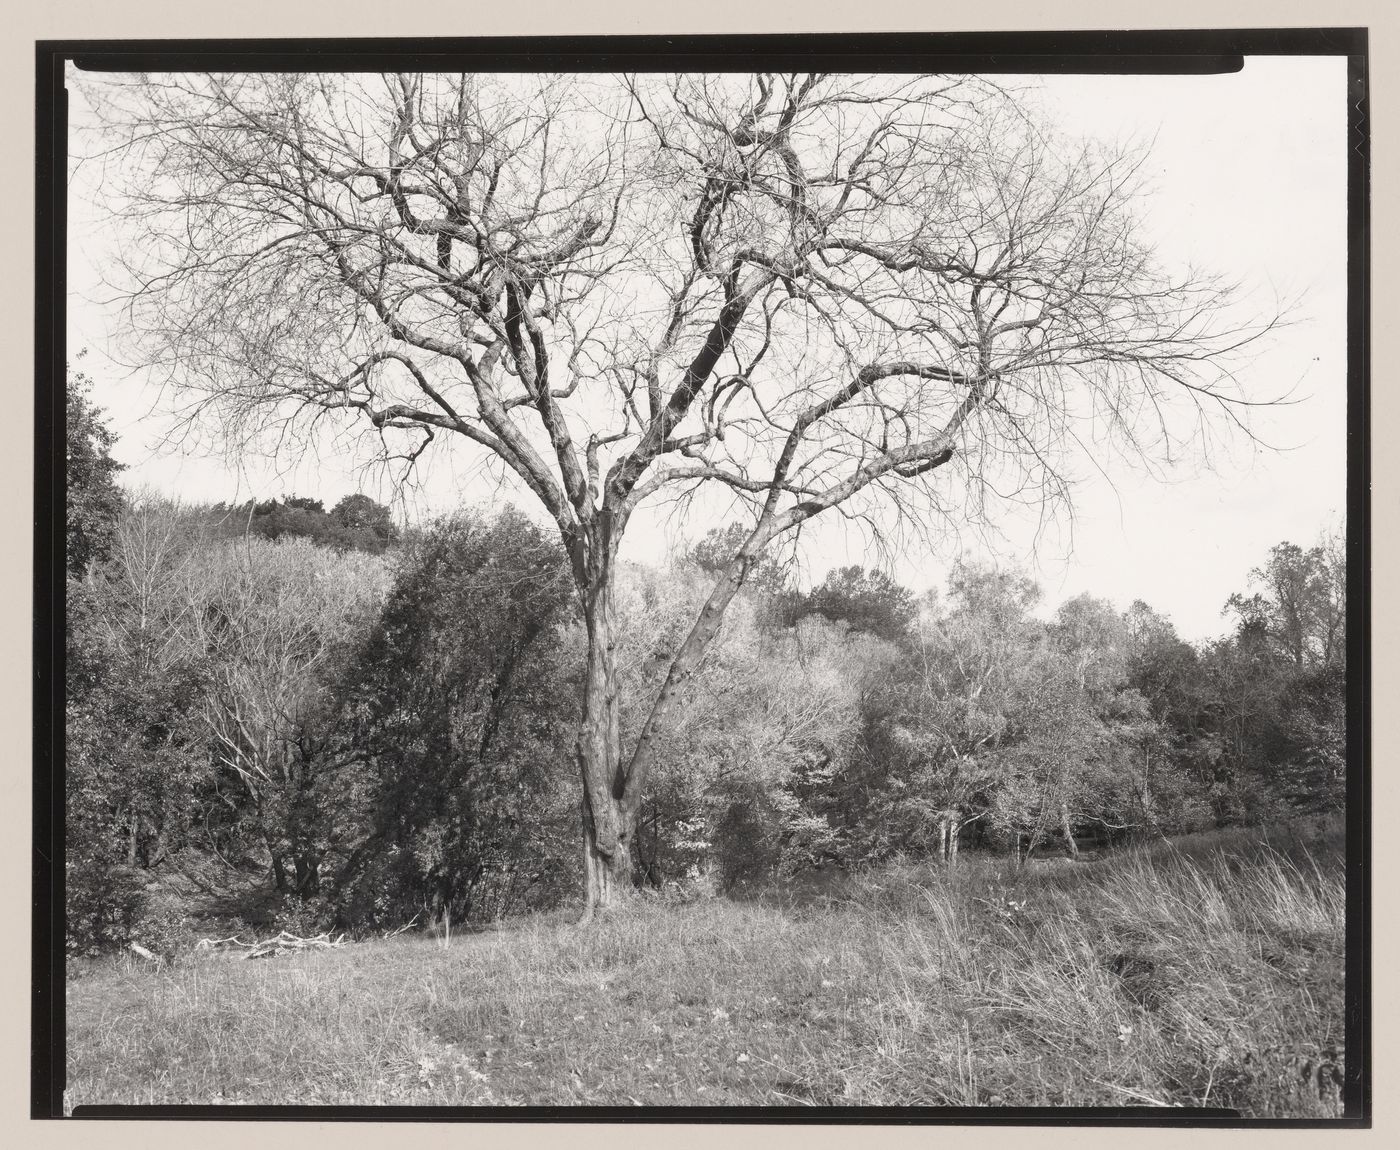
1209,975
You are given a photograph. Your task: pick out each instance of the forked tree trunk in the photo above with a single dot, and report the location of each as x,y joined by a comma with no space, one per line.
612,788
607,874
609,805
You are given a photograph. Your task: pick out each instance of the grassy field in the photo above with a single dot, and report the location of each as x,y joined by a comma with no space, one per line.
1208,971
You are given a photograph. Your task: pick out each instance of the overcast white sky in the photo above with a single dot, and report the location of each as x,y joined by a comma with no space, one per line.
1249,172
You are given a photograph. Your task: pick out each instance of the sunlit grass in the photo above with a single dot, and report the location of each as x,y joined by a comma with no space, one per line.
1197,973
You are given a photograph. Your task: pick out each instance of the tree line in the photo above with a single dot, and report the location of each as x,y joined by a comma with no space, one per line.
312,714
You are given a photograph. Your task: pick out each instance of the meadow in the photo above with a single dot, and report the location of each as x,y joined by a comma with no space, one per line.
1206,970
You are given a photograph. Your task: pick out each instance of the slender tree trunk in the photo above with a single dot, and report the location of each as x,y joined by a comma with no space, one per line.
1146,785
1070,844
308,872
656,849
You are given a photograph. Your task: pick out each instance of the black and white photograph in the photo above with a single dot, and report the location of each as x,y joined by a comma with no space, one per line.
808,578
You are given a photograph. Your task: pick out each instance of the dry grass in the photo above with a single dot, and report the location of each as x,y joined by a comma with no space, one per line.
1207,972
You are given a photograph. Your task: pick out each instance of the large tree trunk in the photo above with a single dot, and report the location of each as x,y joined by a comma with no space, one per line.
612,789
607,873
609,805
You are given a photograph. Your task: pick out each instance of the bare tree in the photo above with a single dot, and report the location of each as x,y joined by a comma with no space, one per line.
891,296
271,619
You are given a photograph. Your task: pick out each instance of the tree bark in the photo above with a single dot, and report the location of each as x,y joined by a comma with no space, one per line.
607,875
609,805
612,788
1070,844
308,872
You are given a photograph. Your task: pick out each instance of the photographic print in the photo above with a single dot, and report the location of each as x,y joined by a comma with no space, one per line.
650,583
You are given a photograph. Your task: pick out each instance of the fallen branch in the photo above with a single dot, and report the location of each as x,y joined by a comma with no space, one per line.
158,959
400,930
284,943
214,943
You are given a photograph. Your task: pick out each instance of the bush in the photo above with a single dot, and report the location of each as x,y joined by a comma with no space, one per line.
103,901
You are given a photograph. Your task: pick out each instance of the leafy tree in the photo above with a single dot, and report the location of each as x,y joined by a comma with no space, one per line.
1301,608
869,601
1311,775
1070,760
997,722
459,704
1279,688
893,295
356,523
927,768
369,523
94,500
715,551
743,782
275,623
134,751
1182,765
1093,636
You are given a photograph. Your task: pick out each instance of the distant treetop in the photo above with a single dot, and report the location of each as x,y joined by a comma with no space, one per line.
356,523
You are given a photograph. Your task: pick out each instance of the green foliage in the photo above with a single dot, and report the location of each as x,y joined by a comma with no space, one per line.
356,523
459,707
93,500
719,546
740,789
134,745
321,733
869,601
1300,612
